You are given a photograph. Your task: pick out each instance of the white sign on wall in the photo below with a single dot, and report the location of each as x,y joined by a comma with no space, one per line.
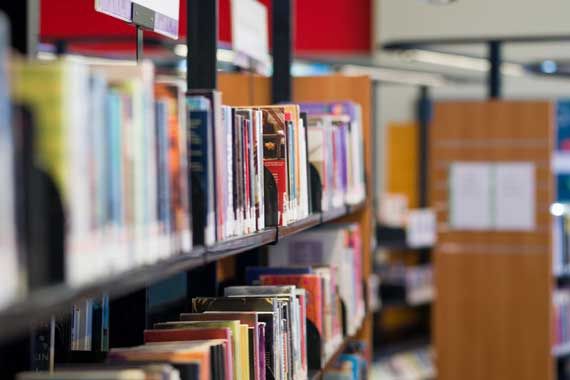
166,13
249,30
492,196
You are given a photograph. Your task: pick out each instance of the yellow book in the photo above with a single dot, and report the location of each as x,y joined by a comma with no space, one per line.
244,357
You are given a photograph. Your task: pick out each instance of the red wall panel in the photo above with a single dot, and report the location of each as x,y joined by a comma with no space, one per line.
333,26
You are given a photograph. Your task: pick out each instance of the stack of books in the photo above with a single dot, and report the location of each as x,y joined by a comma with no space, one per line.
140,169
286,321
334,248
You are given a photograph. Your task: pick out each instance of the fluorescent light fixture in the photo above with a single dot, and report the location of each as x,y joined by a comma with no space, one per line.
396,76
459,61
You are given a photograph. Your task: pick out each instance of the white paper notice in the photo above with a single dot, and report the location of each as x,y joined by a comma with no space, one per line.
514,196
470,196
421,228
249,29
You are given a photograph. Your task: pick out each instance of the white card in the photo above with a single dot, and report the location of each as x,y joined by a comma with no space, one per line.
470,196
514,196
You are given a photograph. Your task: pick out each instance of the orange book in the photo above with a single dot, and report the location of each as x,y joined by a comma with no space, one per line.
172,352
312,284
196,334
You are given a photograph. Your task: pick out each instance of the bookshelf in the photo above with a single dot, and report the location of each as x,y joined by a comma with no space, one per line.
492,316
203,271
45,303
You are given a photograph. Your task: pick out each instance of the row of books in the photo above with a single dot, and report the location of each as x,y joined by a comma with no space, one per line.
130,168
561,316
409,365
287,321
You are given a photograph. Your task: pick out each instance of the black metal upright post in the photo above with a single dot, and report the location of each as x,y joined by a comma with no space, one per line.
140,43
201,64
282,50
424,109
24,17
423,116
202,42
495,62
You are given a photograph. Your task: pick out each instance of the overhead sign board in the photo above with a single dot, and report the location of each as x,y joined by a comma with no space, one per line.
249,31
161,16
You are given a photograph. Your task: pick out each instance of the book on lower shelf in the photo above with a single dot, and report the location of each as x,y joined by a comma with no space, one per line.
288,322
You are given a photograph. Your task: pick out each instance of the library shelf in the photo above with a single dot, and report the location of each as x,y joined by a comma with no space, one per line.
561,350
241,244
395,238
299,226
56,300
335,213
41,305
351,209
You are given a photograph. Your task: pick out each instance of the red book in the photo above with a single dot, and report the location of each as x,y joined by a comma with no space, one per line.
246,148
275,152
190,334
312,283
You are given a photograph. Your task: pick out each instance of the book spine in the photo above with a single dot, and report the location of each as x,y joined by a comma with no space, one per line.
198,134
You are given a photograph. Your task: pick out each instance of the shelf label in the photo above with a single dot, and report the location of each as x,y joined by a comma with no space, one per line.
165,14
249,32
421,228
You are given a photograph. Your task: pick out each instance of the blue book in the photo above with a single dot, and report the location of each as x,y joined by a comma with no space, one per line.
252,274
201,168
162,165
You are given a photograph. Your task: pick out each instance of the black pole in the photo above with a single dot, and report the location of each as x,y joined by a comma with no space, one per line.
202,43
423,116
495,62
24,18
140,42
282,50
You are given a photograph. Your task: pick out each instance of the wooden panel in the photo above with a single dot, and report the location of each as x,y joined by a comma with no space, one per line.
402,161
236,89
357,89
493,309
261,90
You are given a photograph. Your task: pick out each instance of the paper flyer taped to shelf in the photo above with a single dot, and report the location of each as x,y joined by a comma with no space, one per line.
492,196
470,196
514,196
